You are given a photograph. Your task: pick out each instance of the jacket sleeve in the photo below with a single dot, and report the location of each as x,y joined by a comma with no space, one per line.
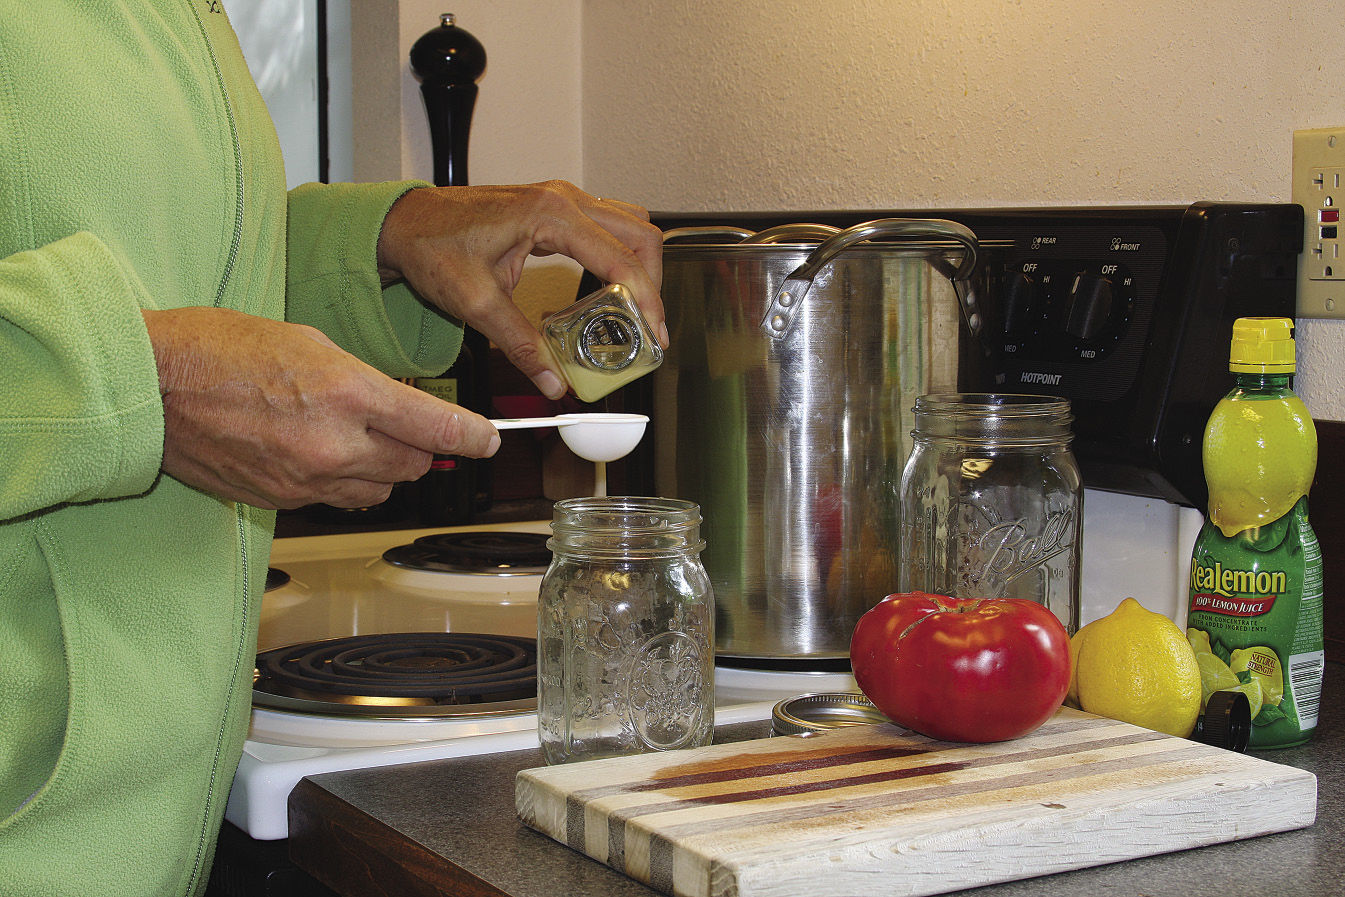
80,413
332,281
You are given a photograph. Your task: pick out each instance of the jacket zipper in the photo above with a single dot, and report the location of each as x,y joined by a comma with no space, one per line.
237,238
241,513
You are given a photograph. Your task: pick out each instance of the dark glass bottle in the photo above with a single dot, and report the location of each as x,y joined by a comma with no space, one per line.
447,493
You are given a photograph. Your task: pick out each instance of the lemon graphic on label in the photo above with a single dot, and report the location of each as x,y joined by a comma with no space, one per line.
1214,673
1264,665
1255,698
1200,641
1259,460
1136,666
1215,676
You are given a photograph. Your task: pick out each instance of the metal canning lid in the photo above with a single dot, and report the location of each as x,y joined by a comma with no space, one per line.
820,712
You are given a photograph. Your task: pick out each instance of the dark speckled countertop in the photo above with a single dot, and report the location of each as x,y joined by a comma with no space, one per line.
449,827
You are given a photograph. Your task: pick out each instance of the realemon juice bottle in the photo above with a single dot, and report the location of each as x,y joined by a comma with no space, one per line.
1255,613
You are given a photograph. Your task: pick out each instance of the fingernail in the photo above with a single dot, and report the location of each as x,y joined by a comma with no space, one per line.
663,333
550,385
493,446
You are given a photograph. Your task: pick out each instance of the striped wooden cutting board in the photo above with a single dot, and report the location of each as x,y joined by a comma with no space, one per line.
880,810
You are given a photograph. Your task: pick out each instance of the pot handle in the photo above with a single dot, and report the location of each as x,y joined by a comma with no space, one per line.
781,233
789,298
793,233
735,234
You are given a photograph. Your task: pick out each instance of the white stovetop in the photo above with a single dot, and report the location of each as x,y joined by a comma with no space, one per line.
339,586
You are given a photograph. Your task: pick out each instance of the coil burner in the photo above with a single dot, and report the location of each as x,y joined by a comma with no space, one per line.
486,553
401,674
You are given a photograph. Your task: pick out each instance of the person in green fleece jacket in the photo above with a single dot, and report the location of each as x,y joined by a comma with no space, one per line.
187,347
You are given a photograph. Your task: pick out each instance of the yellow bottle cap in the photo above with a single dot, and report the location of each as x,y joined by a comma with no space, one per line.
1262,346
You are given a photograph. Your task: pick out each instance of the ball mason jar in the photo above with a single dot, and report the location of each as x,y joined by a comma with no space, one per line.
625,630
992,501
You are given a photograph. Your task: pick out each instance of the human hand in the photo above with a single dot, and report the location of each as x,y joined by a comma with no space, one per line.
463,249
278,416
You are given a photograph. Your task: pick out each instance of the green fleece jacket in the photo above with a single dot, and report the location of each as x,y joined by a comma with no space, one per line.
139,169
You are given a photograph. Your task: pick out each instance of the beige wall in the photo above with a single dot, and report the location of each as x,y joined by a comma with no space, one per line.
778,104
911,103
527,122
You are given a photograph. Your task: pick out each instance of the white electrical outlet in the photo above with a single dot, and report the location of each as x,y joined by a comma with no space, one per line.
1319,187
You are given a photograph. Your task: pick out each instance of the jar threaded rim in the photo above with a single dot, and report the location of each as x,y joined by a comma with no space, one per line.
625,526
998,419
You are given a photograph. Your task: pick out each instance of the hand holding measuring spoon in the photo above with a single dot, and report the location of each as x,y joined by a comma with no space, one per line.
596,436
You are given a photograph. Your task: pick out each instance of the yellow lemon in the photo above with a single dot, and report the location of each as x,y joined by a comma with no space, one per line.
1259,460
1264,665
1075,645
1200,641
1214,676
1137,666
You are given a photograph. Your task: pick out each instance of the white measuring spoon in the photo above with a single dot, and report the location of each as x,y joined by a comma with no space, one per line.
594,436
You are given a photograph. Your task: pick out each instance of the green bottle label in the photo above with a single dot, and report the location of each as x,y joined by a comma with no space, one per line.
1255,621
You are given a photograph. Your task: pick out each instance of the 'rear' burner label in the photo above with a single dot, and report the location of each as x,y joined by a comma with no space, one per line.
1233,592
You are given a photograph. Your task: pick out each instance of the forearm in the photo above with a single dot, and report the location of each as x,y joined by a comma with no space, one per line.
334,281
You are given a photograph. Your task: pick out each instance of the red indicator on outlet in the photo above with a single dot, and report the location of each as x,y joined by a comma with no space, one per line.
1328,216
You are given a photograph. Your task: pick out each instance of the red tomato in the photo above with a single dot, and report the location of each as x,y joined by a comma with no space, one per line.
962,669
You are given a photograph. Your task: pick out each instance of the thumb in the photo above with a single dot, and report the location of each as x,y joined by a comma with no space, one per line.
422,421
509,329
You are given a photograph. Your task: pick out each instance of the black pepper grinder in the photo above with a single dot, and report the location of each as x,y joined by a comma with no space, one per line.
449,61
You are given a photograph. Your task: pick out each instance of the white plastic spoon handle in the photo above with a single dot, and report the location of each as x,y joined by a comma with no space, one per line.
523,423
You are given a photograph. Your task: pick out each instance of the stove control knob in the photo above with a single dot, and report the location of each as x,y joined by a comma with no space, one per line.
1020,303
1090,306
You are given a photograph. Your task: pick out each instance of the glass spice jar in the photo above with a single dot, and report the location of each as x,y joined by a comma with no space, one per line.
601,342
625,630
992,501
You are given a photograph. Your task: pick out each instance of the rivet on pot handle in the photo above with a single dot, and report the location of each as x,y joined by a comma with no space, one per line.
789,298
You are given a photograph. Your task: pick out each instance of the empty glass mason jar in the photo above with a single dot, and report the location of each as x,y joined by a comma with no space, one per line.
992,501
625,630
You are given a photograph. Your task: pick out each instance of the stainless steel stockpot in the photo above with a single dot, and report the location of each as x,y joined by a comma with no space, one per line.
779,410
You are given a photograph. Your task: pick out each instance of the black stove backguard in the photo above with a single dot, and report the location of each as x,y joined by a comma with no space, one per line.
1126,311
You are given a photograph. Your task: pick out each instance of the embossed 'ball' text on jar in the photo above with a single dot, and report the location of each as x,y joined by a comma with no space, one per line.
625,630
992,501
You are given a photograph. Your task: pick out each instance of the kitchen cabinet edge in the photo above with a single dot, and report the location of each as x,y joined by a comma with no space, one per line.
358,856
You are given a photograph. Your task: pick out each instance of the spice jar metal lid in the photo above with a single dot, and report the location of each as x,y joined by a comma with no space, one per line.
811,714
